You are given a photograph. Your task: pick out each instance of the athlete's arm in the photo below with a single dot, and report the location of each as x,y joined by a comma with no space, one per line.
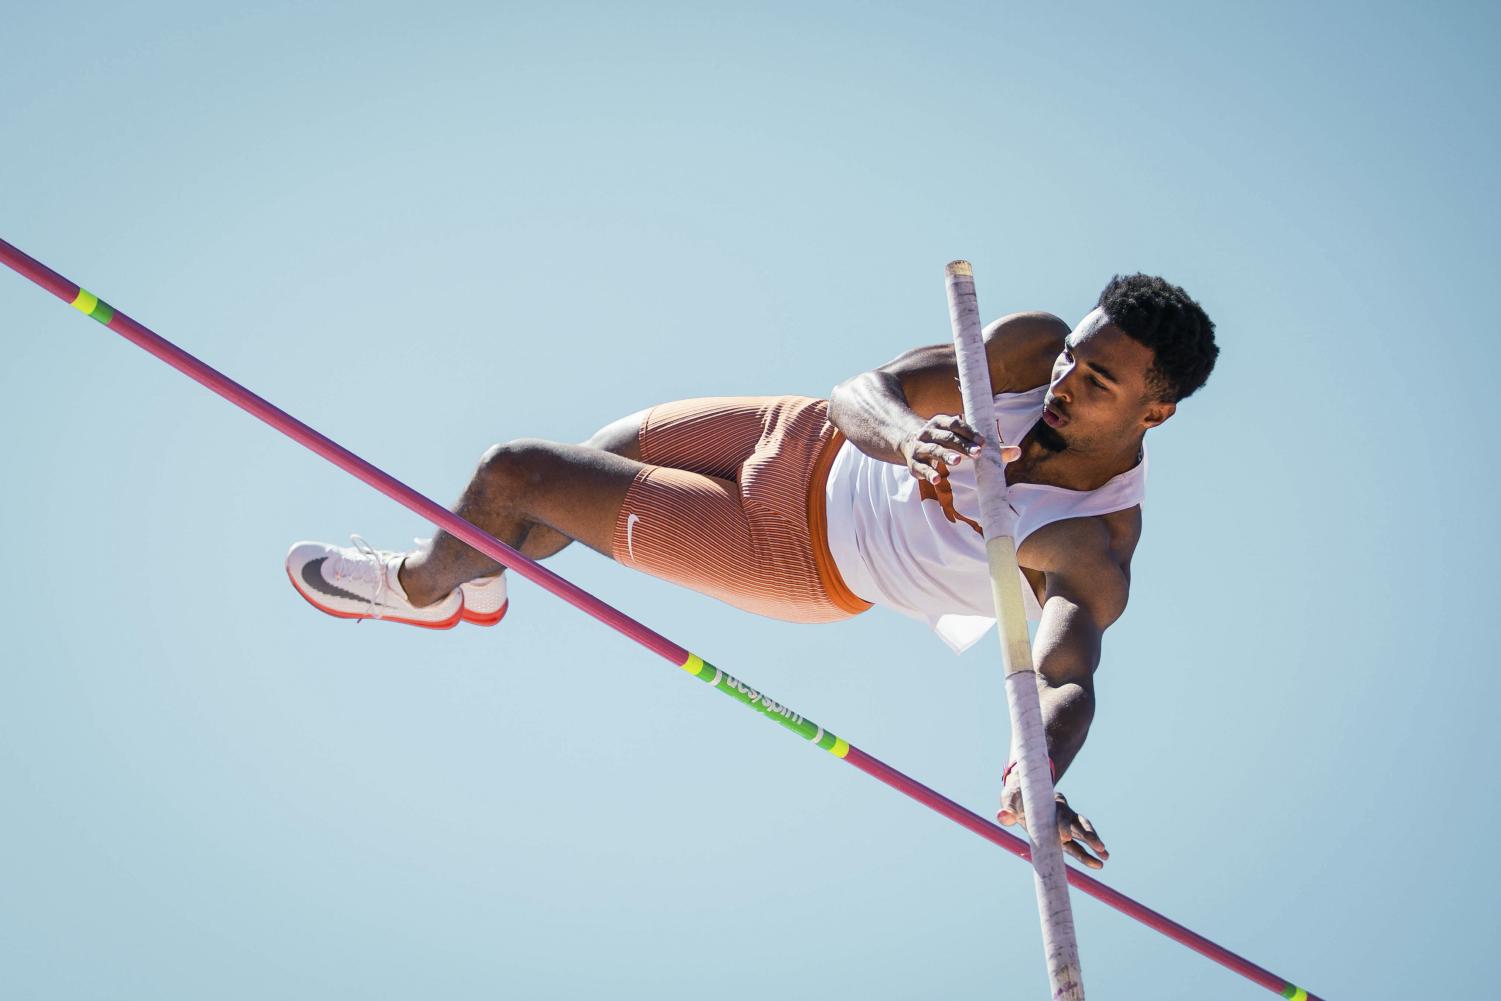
1086,571
909,411
1085,592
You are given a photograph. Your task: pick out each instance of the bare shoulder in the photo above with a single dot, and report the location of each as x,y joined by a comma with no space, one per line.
1021,349
1086,559
1079,542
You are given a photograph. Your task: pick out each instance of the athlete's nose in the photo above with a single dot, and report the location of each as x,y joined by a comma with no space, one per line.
1063,386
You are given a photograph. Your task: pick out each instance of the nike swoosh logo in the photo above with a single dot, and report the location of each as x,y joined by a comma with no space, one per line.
312,576
630,523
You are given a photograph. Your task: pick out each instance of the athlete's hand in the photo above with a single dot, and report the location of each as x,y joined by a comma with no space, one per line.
1075,831
944,441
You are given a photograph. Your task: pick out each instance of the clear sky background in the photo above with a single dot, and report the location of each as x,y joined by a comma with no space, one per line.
425,229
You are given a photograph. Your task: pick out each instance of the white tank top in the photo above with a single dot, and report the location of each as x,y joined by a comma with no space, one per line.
895,547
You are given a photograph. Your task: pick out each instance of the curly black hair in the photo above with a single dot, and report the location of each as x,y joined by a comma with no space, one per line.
1164,318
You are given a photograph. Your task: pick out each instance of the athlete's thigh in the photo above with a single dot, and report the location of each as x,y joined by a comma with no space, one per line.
622,436
696,531
712,435
579,490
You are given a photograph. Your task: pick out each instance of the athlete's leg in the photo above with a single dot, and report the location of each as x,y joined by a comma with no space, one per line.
538,496
620,438
752,538
563,492
712,436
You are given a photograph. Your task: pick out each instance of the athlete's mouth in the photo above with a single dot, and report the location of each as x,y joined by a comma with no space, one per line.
1052,415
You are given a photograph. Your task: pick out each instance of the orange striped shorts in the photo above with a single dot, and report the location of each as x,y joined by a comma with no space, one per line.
731,504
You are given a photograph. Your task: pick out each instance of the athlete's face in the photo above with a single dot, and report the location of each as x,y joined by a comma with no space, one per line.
1098,398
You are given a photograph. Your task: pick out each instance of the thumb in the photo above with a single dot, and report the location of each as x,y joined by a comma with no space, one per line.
1010,453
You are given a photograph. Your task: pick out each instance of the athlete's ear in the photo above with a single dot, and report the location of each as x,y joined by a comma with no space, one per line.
1158,412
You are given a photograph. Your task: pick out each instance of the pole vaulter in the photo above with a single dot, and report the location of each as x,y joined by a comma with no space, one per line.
90,305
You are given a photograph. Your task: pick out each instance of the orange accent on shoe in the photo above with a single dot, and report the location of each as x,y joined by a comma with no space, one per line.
447,623
486,618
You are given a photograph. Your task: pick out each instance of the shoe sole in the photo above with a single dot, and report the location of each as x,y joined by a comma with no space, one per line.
448,623
485,618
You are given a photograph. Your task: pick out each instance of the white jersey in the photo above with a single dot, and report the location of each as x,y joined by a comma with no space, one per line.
896,545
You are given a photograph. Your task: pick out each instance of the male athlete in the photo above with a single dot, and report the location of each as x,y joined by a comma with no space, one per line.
813,510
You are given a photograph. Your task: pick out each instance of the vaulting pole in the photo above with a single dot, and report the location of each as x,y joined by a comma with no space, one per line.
1028,736
90,305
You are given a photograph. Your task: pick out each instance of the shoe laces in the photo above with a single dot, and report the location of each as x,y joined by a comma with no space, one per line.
361,570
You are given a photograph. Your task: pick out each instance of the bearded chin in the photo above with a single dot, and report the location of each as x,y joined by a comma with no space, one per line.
1049,438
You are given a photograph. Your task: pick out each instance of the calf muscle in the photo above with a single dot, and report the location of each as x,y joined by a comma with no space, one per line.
533,495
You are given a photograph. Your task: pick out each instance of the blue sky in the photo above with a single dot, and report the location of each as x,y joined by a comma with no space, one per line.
426,230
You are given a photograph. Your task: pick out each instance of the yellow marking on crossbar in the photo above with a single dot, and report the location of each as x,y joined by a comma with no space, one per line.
841,747
85,302
1300,995
693,665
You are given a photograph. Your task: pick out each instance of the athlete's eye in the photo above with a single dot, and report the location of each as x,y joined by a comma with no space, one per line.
1097,382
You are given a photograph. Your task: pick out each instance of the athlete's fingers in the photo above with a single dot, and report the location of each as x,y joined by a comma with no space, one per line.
1076,850
1083,830
955,448
950,438
937,453
936,456
922,470
1011,807
958,447
956,425
1011,798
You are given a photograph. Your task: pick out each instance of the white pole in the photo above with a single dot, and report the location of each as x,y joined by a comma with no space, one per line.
1016,649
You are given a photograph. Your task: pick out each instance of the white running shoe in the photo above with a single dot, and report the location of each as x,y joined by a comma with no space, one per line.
485,600
360,582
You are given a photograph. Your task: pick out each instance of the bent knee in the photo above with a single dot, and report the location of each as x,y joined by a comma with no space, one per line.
513,467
